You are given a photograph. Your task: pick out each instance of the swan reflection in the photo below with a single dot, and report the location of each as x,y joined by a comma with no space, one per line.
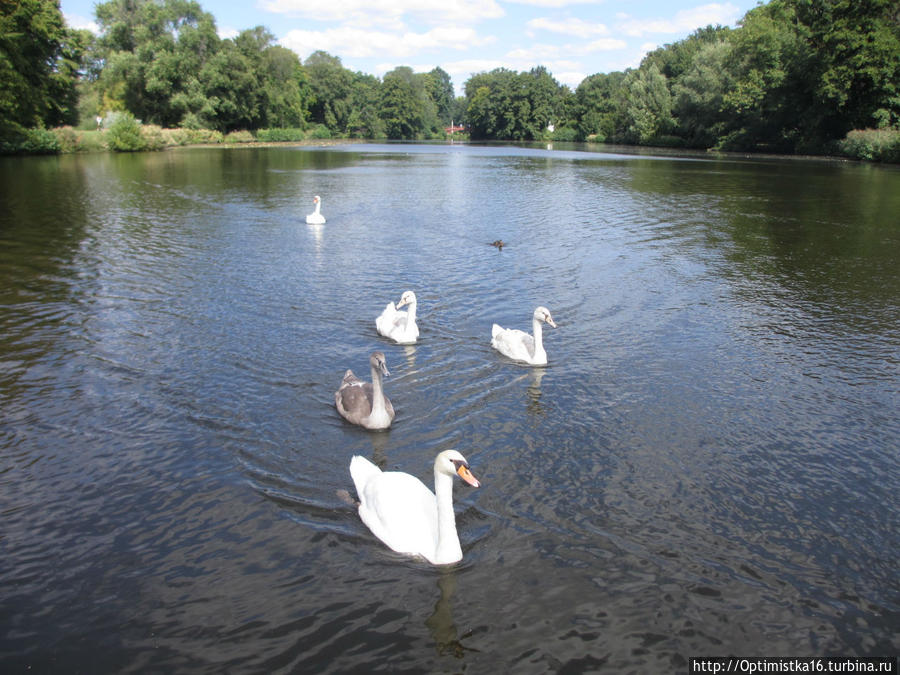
441,625
534,405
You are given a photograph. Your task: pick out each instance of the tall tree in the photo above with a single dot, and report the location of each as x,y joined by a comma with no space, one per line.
402,107
155,51
645,105
595,105
857,62
39,62
770,63
286,89
699,96
332,89
440,89
364,121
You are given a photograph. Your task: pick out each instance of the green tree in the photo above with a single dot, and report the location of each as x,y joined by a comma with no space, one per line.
402,106
364,121
440,89
769,99
287,93
595,105
699,96
154,53
856,46
39,63
332,90
231,95
545,102
644,110
504,104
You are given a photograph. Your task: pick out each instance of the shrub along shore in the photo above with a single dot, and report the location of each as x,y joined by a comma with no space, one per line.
126,134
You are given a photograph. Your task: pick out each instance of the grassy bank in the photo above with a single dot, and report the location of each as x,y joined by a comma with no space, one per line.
127,135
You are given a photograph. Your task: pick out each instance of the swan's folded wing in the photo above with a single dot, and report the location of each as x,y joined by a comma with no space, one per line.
362,471
514,343
400,511
354,402
385,321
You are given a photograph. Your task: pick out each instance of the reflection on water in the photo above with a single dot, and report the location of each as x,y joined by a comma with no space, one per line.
707,464
440,624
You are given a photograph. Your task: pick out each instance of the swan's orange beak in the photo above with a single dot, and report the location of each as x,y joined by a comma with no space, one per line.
463,471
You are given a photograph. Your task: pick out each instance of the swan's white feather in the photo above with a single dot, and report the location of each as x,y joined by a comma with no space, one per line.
316,218
404,514
512,342
399,326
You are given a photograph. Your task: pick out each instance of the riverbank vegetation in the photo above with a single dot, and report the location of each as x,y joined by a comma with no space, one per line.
795,76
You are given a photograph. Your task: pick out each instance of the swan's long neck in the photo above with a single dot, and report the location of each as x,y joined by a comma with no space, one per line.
318,206
410,314
448,548
538,337
378,409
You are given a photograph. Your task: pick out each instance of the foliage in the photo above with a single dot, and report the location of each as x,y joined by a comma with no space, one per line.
794,76
699,96
39,58
595,105
504,104
440,90
242,136
40,142
332,88
320,132
644,111
880,145
154,137
279,135
565,134
124,135
403,104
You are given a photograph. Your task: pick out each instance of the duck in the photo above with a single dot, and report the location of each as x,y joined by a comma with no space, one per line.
519,345
399,326
364,403
316,218
499,244
405,515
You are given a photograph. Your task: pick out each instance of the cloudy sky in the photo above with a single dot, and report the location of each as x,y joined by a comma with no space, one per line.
572,38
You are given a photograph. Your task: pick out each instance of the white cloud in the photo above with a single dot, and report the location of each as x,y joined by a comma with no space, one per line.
572,26
604,45
226,32
386,12
534,54
359,43
686,20
80,23
553,4
571,79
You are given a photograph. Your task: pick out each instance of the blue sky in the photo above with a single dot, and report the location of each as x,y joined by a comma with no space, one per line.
571,38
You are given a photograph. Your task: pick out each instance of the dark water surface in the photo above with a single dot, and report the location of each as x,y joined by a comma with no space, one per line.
709,464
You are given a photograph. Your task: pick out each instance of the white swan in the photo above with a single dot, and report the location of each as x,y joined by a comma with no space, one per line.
316,218
399,326
364,403
405,514
521,346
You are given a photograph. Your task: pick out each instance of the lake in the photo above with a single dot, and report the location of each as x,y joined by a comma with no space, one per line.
708,465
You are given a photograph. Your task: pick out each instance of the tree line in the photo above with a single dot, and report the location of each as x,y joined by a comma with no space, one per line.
794,76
